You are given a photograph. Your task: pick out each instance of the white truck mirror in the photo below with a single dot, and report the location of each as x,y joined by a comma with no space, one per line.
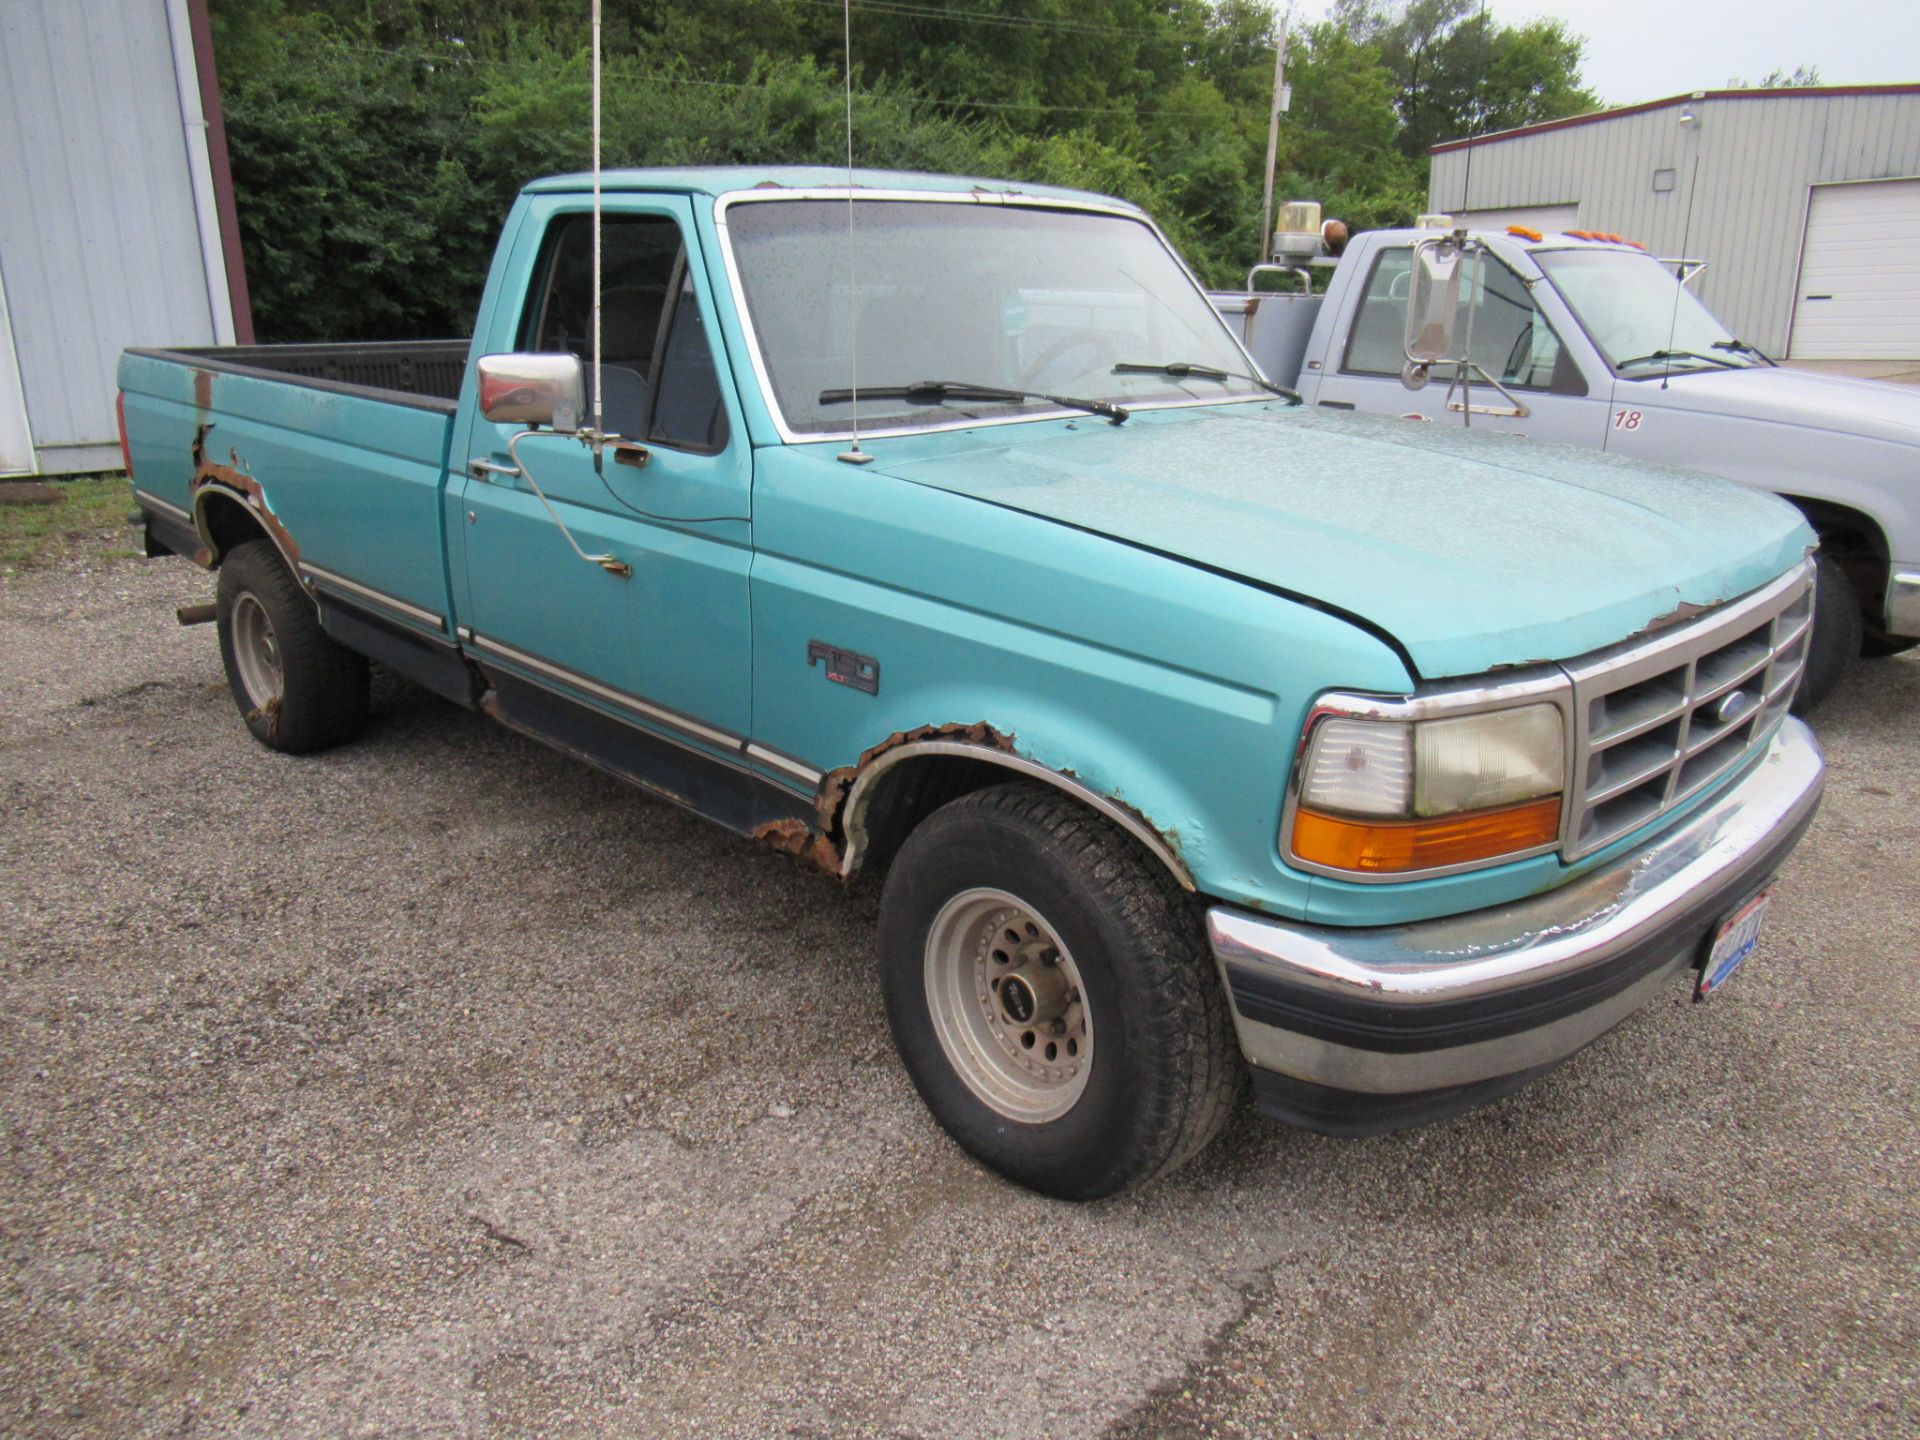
1433,300
533,389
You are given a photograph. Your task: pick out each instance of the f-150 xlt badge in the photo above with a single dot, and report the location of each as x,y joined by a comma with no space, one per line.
844,667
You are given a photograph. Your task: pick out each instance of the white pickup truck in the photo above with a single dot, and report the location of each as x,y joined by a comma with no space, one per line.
1590,341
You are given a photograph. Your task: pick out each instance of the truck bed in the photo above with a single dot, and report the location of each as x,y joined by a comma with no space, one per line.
342,446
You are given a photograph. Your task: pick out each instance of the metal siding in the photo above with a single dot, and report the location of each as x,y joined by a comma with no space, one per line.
1759,159
99,239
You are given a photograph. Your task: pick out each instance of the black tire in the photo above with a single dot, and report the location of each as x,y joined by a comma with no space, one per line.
1162,1066
1879,647
322,696
1837,633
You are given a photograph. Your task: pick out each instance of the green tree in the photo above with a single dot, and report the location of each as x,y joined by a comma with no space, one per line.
1460,73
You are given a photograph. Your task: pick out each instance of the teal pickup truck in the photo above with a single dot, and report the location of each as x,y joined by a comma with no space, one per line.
1194,732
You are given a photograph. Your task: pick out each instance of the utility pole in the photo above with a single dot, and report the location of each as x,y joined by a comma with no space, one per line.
1282,98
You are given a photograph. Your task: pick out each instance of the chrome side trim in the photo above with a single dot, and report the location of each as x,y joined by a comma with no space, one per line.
353,589
723,203
575,680
854,813
785,764
1903,603
1484,955
154,502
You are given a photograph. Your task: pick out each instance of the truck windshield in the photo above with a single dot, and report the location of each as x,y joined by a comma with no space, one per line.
1643,319
1015,297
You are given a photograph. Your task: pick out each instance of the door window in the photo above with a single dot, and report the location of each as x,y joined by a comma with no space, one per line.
657,366
1512,340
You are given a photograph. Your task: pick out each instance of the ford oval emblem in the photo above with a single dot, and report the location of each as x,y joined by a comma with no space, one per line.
1732,706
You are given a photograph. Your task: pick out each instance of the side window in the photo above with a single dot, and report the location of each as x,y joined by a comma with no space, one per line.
1512,340
656,366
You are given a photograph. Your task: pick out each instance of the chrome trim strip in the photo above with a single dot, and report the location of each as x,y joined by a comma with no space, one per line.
1484,954
154,502
1903,603
355,590
854,812
577,681
774,760
724,202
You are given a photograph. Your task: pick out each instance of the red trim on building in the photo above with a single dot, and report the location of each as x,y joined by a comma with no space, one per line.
1784,92
201,26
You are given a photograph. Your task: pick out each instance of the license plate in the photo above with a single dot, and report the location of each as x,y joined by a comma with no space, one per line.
1732,943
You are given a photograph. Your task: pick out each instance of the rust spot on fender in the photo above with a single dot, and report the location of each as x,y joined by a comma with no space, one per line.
203,392
823,842
231,476
795,837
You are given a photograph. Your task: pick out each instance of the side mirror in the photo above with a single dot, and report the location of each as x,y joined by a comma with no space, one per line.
533,390
1433,300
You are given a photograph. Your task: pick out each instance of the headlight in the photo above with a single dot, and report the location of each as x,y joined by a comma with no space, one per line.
1389,796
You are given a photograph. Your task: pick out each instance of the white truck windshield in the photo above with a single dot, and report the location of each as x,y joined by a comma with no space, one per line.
1642,318
1017,297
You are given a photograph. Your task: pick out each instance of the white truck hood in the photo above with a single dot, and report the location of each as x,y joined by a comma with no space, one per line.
1836,403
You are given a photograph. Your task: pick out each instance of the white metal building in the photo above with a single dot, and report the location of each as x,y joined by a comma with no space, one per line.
116,214
1805,204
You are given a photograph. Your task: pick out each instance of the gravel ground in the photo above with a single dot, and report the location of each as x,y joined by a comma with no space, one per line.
437,1087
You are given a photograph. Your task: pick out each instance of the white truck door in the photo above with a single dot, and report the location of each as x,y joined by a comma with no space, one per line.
1512,341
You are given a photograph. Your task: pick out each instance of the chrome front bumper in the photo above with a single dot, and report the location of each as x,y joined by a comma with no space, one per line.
1354,1031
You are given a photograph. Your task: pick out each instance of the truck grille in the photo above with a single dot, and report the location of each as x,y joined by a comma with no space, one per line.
1656,721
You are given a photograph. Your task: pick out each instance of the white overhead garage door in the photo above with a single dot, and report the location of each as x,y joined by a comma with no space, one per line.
1859,295
1547,219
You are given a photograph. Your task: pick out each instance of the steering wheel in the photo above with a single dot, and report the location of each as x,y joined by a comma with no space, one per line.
1094,344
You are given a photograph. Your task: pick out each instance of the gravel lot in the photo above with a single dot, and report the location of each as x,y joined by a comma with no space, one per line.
437,1087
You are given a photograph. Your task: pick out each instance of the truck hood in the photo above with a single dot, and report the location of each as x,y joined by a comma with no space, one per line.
1472,550
1787,396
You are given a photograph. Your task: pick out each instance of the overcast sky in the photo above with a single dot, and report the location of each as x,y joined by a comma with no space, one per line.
1648,49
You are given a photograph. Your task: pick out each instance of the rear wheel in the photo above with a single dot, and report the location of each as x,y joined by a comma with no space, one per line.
1051,994
1837,631
298,690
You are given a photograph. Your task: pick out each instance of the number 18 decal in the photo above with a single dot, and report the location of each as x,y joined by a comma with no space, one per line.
1626,419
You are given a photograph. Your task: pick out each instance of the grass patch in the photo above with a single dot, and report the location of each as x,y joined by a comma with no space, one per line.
89,517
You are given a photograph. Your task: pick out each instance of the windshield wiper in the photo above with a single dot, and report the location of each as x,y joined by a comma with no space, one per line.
939,392
1180,369
1721,361
1740,347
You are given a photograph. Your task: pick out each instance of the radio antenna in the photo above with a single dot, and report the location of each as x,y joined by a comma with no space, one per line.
1679,283
855,455
597,415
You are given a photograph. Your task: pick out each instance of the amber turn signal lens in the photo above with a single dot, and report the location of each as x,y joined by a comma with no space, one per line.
1385,847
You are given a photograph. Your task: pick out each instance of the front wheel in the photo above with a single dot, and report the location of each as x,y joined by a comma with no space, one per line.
1051,995
298,689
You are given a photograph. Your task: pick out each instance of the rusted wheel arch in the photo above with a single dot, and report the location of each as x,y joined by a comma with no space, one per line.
882,802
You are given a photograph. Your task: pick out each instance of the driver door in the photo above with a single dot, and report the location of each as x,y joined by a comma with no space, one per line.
658,638
1512,341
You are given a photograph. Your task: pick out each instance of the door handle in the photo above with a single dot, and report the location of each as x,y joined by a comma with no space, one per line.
486,469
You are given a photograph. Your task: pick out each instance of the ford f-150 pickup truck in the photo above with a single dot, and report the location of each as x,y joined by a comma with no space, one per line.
1598,344
1195,732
